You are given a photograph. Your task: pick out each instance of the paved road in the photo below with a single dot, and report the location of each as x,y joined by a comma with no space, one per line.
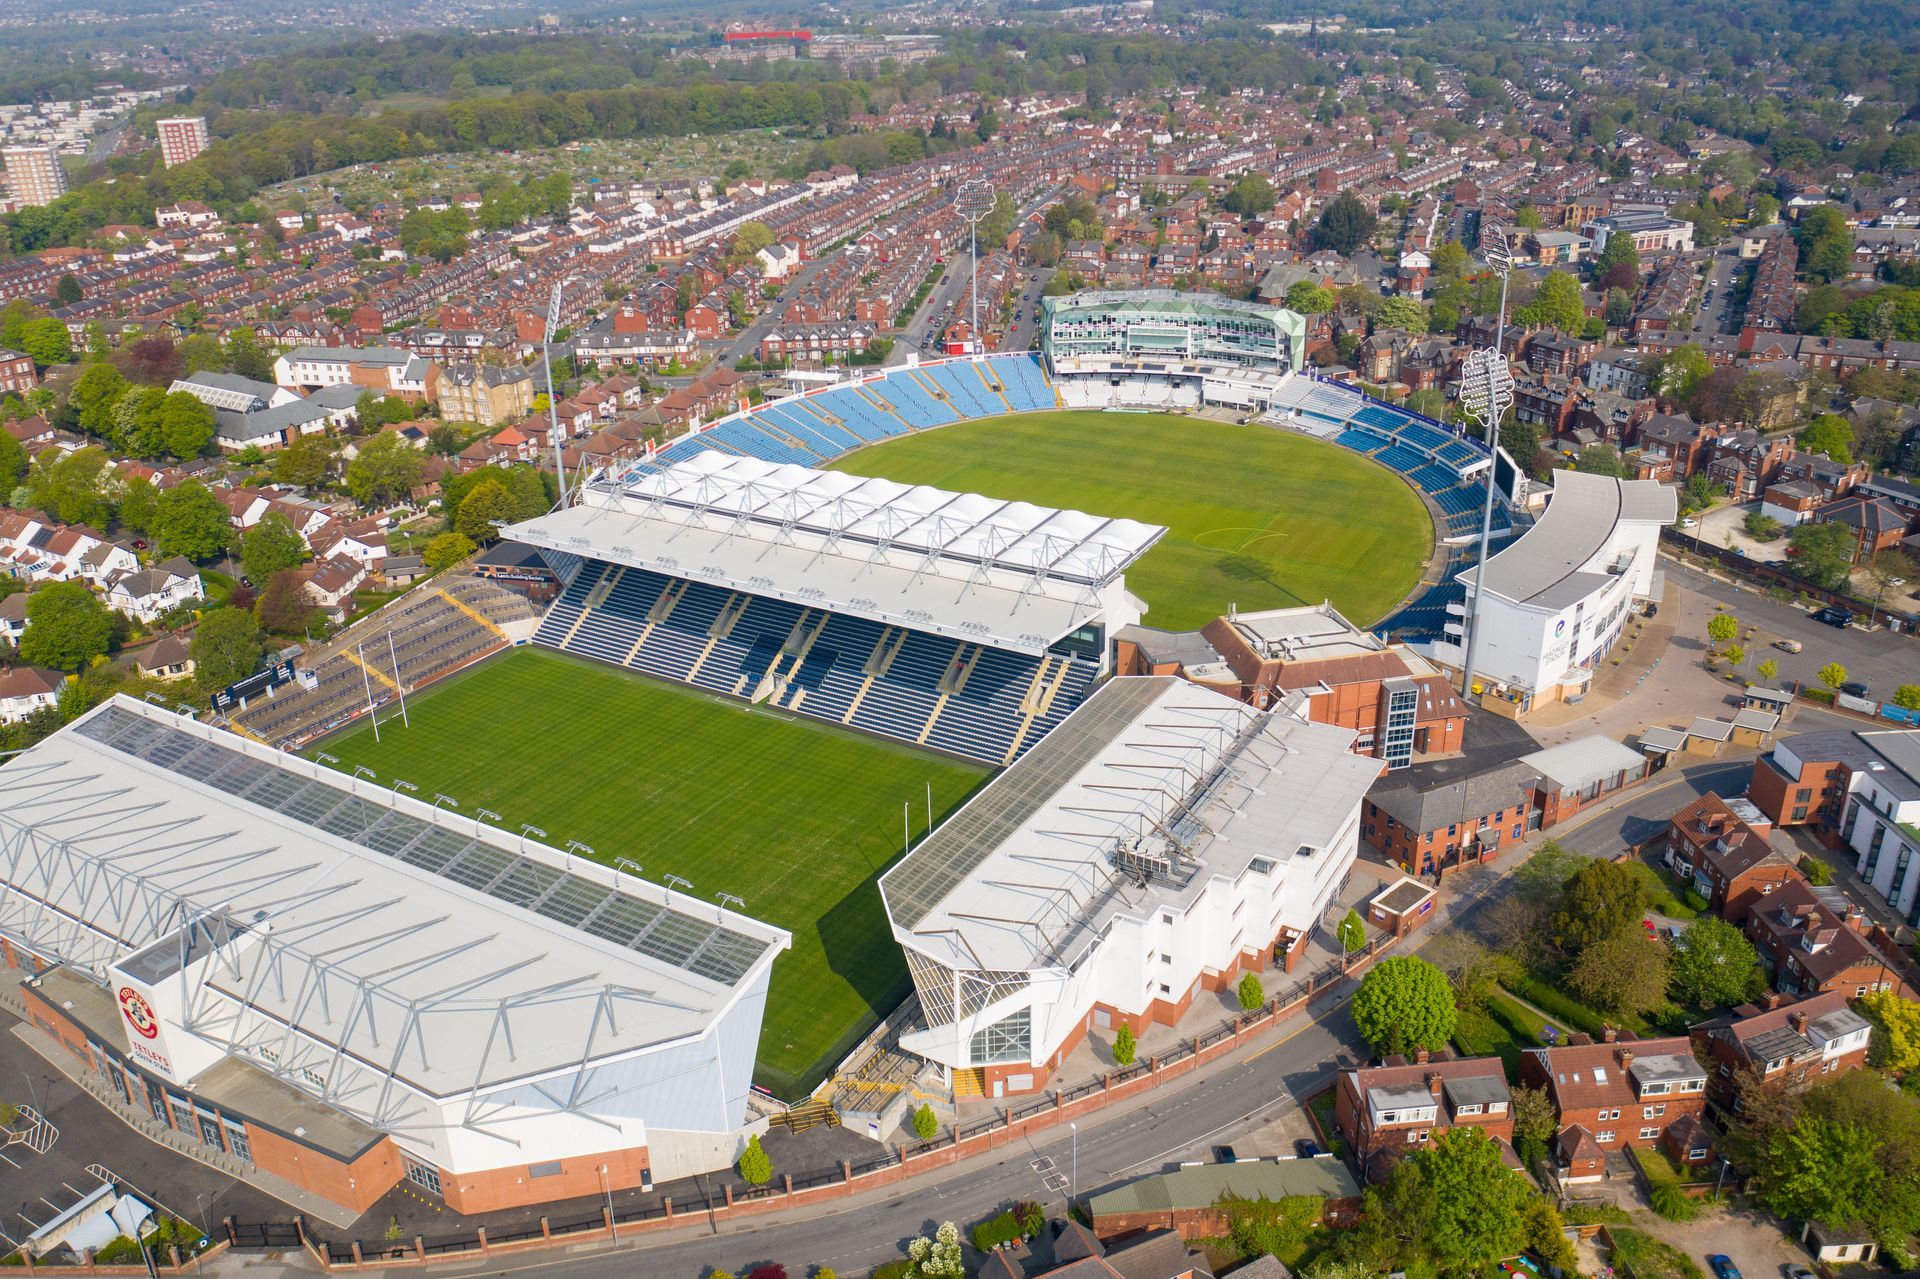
746,344
1881,659
1715,313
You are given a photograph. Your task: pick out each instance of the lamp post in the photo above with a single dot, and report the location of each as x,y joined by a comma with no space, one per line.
1073,1184
974,202
529,829
359,771
409,787
553,412
448,800
613,1231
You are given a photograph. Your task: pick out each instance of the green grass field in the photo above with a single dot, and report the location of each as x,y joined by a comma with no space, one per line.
796,818
1255,517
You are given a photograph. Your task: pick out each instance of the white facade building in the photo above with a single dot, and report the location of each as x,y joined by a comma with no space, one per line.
1557,597
1156,843
1880,819
263,933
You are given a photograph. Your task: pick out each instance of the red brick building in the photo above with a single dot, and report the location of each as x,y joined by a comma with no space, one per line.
1438,829
1618,1094
1788,1045
1814,941
1386,1112
1723,846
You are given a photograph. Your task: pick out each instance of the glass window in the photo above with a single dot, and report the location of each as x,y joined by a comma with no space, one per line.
1009,1039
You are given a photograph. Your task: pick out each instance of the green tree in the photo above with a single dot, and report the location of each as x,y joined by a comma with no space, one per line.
1124,1046
1352,931
304,463
77,488
384,472
1477,1201
939,1257
13,462
1844,1153
1907,697
47,341
1761,527
1601,459
189,520
1822,553
1626,971
1556,304
1713,964
1535,1122
1830,434
1403,313
138,501
1832,676
226,647
1598,900
185,424
67,627
1308,298
1766,668
93,397
245,357
446,550
270,546
481,509
1620,252
1722,627
752,237
1345,224
925,1122
1896,1030
1252,994
755,1168
1251,196
1682,370
1404,1003
68,290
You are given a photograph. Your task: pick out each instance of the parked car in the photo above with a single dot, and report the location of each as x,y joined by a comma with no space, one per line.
1224,1155
1833,616
1723,1267
1854,688
1797,1271
1307,1149
1788,645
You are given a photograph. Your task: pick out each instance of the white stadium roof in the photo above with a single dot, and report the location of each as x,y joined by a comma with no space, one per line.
1551,565
1011,574
440,951
1149,788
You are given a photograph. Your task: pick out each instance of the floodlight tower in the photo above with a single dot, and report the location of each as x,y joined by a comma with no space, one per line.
1486,393
553,412
975,201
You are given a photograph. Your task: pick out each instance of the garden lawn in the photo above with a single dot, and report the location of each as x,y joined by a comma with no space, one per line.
796,818
1255,517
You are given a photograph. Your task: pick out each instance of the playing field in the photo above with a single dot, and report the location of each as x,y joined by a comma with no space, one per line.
1256,517
796,818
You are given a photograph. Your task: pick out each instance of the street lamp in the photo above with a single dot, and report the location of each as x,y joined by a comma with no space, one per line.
612,1230
1486,393
1073,1185
974,202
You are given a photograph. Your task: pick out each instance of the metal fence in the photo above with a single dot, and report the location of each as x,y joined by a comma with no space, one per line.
1778,578
265,1236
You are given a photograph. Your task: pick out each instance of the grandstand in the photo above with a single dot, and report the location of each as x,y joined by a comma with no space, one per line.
445,625
947,620
820,425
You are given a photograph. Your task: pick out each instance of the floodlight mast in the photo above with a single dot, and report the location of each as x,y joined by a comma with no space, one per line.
975,201
553,411
1486,392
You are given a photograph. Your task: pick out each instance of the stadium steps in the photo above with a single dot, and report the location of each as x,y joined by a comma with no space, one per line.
480,618
952,680
813,1113
969,1081
657,612
885,650
882,405
368,667
1047,682
993,386
773,682
595,596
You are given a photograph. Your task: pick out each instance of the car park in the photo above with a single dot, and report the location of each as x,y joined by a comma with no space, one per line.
1788,645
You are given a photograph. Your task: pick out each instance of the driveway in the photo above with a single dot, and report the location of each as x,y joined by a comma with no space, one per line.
1756,1242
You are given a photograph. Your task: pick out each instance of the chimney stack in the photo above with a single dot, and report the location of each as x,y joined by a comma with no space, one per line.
1772,1000
1434,1084
1420,1056
1608,1034
1798,1020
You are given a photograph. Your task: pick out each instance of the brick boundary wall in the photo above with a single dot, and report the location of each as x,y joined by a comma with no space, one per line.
1012,1124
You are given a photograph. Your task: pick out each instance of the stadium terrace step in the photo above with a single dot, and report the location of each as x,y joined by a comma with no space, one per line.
969,1081
808,1114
